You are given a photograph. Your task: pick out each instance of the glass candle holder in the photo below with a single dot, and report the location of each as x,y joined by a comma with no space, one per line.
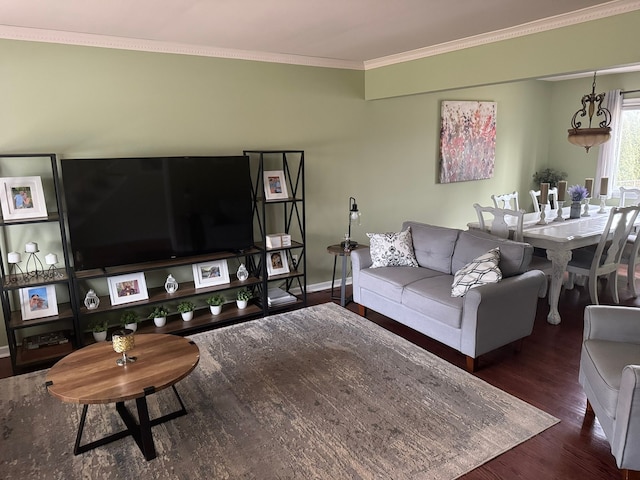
123,341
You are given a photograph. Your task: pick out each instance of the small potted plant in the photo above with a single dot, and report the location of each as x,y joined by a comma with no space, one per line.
129,320
242,297
186,309
99,330
159,315
215,303
577,193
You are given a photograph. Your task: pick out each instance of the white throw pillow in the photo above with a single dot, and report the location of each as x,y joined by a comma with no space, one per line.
392,249
480,271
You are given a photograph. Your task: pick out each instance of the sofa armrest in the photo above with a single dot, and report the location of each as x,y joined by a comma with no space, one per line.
613,323
499,313
625,444
360,259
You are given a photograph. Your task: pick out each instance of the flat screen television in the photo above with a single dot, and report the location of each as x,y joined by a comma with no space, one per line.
134,210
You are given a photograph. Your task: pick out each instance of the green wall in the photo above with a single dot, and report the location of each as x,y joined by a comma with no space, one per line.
82,101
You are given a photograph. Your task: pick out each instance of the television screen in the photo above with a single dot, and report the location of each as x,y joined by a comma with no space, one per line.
133,210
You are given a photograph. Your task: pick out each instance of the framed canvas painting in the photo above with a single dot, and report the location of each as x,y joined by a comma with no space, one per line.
22,197
467,141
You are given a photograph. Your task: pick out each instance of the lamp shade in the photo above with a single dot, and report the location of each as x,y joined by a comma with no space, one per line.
589,137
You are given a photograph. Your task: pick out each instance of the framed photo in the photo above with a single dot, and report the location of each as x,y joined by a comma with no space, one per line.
277,263
210,273
38,302
22,197
275,186
127,288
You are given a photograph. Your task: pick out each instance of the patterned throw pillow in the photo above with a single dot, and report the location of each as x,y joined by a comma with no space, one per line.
392,249
480,271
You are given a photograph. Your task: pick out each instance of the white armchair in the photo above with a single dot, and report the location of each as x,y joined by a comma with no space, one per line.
610,377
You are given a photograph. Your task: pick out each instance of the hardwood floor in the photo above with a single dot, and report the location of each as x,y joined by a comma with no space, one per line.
545,374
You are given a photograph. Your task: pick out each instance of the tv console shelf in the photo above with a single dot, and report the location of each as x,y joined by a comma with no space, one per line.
74,318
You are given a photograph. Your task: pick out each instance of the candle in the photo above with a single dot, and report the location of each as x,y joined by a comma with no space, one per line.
51,259
604,185
544,193
588,184
31,247
14,257
562,190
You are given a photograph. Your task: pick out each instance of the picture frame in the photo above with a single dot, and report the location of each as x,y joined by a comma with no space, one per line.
207,274
22,197
275,185
38,302
127,288
277,263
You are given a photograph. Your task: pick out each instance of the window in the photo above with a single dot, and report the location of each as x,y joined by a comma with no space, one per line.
626,168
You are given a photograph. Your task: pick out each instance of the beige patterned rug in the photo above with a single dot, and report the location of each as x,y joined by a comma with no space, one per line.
318,393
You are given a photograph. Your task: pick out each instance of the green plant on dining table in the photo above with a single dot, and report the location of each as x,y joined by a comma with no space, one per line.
550,176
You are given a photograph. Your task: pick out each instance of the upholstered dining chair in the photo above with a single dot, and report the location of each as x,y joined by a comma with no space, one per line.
605,259
506,201
610,376
553,198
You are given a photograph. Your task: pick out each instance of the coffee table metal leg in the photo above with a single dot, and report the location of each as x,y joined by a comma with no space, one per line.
83,417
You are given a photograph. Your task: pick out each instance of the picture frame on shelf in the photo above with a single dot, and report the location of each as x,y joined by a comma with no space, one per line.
22,198
275,185
38,302
277,263
127,288
207,274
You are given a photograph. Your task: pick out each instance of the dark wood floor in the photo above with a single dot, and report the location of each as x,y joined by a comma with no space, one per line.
545,374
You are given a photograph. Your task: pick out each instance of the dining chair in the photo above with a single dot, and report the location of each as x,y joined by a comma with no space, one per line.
553,198
605,259
630,252
506,201
629,196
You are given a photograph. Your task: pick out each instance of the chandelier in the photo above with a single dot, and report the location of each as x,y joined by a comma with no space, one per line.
590,137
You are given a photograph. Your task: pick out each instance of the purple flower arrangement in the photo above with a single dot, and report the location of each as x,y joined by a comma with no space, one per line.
577,193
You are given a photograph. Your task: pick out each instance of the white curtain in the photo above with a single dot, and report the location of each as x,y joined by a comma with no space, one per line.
608,151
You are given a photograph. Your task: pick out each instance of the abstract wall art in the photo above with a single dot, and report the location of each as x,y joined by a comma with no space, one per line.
467,141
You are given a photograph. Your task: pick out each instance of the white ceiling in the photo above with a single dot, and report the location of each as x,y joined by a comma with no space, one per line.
340,33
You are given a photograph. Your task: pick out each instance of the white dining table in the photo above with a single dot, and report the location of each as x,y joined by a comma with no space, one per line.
559,238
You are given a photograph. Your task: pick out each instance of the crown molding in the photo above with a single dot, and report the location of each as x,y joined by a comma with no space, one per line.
104,41
615,7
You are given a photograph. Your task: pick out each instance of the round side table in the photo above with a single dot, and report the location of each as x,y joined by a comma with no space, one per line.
339,251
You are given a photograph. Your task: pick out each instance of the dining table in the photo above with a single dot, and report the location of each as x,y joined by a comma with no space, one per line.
559,238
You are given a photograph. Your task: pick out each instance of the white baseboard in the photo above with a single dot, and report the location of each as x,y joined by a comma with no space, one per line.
4,351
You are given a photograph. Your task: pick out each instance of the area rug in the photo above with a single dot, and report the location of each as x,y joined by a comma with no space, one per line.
317,393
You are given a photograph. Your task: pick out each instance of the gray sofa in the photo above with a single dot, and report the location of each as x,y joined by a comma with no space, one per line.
485,318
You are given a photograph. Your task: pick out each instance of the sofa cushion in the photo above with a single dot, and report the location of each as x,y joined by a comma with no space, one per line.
389,281
514,256
433,246
392,249
432,298
481,271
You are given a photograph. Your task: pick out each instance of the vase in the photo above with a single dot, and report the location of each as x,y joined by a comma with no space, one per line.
131,326
242,304
100,336
187,316
215,309
160,321
575,210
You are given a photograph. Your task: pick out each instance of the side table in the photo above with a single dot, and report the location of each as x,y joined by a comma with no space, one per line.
339,251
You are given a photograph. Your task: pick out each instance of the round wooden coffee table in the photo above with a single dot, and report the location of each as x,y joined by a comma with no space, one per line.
90,375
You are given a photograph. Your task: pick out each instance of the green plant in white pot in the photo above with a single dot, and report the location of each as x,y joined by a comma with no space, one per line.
186,309
215,303
159,315
242,298
129,320
99,330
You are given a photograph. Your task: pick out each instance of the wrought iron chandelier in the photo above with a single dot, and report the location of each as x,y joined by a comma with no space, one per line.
589,137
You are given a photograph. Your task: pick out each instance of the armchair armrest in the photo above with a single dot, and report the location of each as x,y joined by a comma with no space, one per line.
612,323
499,313
625,444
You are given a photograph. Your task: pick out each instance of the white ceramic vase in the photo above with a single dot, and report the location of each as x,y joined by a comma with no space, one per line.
215,309
100,336
131,326
242,304
160,321
187,316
